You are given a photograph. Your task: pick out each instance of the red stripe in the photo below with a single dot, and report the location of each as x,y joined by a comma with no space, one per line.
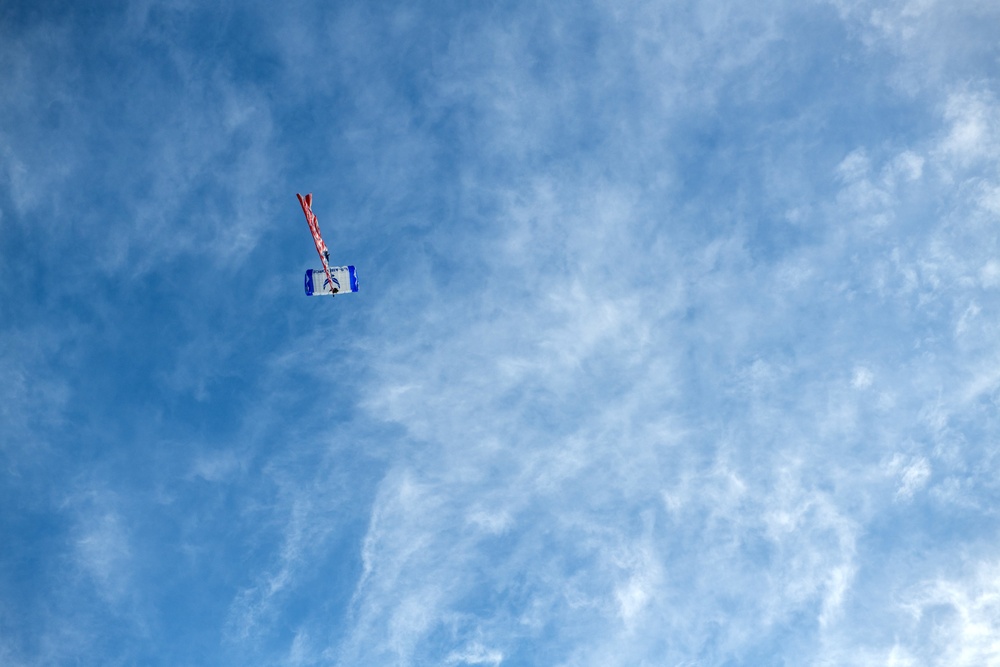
314,228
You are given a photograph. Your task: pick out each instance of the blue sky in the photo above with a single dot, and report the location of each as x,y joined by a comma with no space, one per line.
676,344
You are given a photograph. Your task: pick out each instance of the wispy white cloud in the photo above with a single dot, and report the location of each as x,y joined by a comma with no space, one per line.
33,398
596,465
188,180
960,619
974,127
912,475
942,620
476,654
933,43
103,552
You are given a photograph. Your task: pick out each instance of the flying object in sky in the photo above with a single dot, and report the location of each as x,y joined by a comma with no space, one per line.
330,280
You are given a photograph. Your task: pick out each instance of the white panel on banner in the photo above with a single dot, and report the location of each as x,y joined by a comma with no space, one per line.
345,280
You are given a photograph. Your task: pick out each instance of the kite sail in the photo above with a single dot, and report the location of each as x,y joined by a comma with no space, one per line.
342,279
328,280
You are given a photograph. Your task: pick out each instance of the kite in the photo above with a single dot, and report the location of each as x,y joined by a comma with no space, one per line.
330,279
